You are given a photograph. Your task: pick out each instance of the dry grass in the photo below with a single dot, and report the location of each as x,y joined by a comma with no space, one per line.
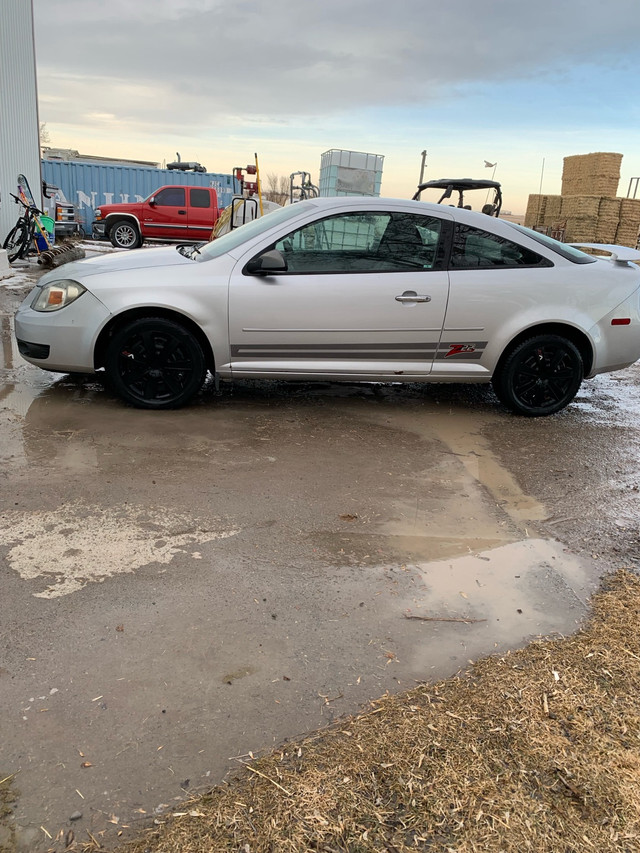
8,797
537,750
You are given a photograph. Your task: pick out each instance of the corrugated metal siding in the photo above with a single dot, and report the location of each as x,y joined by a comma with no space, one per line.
88,185
19,139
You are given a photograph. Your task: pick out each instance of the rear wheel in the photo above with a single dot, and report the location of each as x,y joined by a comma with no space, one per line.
540,376
125,235
154,363
17,241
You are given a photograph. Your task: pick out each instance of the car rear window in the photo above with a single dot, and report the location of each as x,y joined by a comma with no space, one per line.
475,248
562,249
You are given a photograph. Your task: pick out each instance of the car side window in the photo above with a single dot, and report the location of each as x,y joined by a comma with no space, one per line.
363,242
473,248
170,197
200,198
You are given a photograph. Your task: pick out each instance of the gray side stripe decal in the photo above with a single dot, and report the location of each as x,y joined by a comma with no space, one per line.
391,352
396,353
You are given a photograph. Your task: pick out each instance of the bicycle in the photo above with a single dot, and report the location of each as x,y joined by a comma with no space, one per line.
23,233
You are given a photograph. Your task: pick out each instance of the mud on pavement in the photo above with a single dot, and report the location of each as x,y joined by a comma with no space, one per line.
182,588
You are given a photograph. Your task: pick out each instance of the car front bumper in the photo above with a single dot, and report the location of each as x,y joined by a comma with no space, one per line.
61,340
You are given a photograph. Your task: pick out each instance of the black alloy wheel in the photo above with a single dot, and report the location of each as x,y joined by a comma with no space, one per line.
17,241
540,376
154,363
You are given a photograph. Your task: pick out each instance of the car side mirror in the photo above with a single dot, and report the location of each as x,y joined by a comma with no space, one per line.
152,201
268,263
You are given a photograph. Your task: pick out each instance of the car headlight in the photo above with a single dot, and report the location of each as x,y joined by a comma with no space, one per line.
97,213
57,295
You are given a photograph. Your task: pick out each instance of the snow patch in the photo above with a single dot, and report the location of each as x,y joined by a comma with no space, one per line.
78,544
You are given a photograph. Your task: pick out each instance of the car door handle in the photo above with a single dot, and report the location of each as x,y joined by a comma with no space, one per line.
182,212
412,296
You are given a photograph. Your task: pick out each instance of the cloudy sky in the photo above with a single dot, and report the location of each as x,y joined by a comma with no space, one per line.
514,82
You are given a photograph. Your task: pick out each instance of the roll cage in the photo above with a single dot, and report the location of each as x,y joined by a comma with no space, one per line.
462,185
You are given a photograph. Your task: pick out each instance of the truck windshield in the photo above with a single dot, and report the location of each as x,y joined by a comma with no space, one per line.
227,242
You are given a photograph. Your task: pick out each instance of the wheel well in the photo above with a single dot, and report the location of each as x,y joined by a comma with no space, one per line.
120,320
578,338
119,217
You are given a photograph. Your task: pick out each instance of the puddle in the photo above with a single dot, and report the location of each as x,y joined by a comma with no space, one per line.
370,549
65,549
607,393
504,596
463,435
458,500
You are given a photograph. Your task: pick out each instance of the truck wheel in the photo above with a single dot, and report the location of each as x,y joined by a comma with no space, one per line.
124,235
154,363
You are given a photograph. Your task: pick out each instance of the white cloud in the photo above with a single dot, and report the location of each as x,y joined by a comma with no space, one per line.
219,79
290,57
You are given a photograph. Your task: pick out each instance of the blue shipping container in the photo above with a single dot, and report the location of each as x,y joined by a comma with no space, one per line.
88,185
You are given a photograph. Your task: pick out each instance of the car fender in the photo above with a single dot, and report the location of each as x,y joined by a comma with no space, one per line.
531,321
203,306
112,218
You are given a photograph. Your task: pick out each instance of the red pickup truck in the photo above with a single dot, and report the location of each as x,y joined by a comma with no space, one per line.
173,212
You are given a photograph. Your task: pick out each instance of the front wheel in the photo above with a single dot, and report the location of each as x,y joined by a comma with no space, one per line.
540,376
17,242
125,235
154,363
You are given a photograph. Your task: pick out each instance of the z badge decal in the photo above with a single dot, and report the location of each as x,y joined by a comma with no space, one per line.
461,352
457,349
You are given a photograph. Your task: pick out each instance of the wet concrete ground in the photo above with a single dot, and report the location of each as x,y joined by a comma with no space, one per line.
180,589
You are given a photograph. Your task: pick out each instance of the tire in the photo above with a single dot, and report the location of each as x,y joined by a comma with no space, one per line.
540,376
154,363
17,241
124,234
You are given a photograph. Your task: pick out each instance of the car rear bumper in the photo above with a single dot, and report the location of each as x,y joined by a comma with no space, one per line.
617,337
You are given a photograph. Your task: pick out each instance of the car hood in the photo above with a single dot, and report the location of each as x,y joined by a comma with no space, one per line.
164,256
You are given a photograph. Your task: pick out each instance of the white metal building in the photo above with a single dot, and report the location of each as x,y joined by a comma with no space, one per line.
19,127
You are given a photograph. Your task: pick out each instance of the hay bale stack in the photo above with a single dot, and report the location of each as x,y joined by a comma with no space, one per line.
629,224
542,210
591,174
553,210
588,211
580,213
580,207
580,230
608,218
534,215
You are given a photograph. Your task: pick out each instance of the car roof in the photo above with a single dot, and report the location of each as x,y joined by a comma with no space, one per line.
472,217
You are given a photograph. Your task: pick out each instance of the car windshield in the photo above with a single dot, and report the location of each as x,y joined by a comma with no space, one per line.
568,252
227,242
